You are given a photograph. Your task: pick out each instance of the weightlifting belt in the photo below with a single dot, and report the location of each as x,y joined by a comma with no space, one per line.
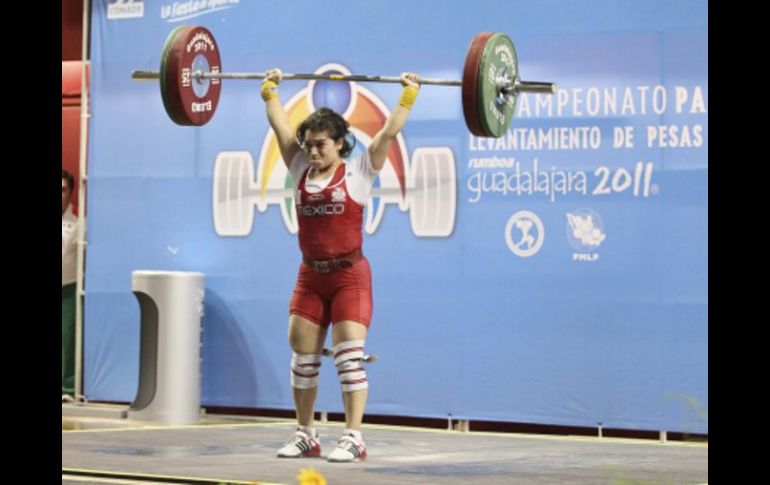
329,265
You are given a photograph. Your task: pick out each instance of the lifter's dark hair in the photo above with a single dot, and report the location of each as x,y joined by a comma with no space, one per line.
70,179
332,123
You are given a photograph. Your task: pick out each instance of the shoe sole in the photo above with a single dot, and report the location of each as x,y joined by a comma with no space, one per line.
310,454
361,457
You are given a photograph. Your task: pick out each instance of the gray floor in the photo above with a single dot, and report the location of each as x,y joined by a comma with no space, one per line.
243,450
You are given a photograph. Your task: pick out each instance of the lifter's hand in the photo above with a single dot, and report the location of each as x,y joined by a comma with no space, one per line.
410,81
270,84
274,75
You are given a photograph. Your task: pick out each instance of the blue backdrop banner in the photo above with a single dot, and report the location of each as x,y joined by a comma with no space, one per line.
557,274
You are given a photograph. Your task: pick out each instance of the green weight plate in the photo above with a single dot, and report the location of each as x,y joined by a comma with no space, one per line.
167,103
498,60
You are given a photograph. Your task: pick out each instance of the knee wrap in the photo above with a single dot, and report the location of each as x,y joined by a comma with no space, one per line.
304,370
348,358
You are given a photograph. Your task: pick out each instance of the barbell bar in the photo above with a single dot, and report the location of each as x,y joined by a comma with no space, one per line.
509,85
190,80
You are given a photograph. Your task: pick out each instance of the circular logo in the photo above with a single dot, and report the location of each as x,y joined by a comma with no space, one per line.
585,229
524,233
335,95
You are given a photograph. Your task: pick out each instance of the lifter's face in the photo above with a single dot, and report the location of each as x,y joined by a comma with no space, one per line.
322,150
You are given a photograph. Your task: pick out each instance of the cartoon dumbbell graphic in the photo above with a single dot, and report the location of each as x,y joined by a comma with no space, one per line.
430,194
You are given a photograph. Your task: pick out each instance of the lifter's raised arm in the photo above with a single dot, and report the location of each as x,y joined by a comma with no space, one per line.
378,149
277,116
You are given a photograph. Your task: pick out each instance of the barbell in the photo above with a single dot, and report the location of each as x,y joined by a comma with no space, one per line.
191,72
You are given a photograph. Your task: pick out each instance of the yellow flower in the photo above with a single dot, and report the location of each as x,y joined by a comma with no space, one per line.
308,476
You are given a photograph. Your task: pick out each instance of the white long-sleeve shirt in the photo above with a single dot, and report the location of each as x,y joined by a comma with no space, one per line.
69,239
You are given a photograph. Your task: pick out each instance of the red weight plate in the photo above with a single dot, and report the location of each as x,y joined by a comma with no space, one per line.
469,87
189,101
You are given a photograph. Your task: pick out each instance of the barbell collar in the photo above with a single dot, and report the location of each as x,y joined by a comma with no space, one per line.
516,87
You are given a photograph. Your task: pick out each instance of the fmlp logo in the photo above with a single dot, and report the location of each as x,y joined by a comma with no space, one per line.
425,186
585,231
125,9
